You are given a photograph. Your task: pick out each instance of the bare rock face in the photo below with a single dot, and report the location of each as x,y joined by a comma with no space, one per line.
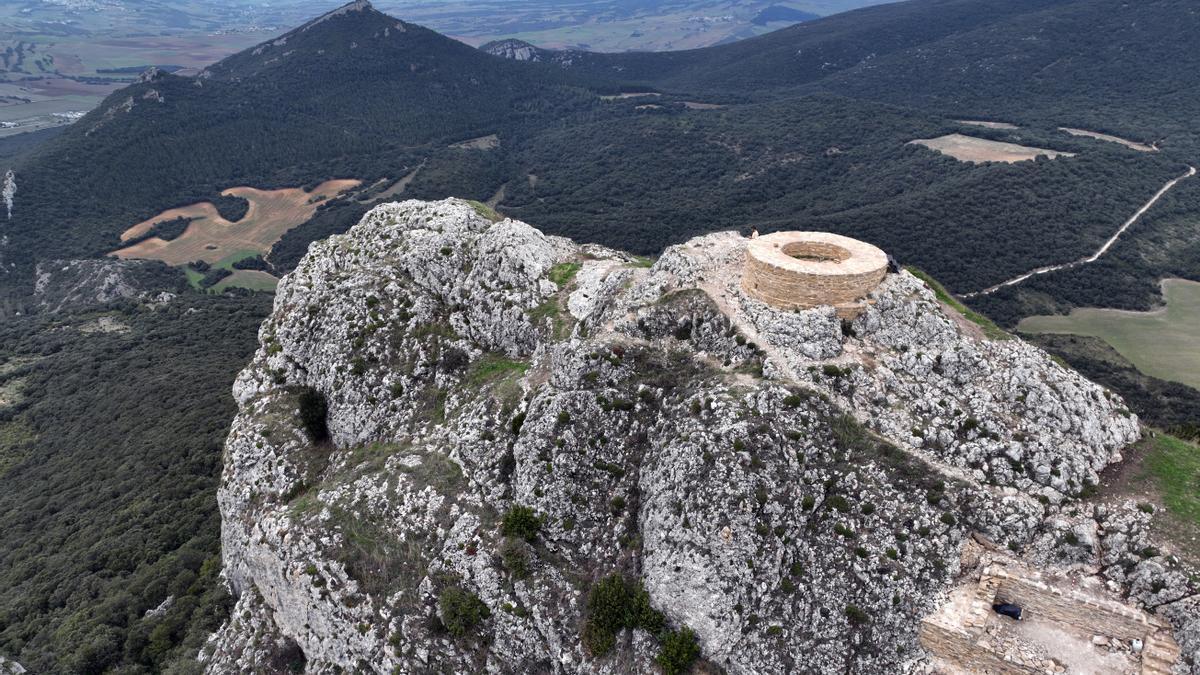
71,285
793,488
515,50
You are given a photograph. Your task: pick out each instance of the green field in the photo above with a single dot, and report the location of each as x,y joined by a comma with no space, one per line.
1163,343
249,279
1175,465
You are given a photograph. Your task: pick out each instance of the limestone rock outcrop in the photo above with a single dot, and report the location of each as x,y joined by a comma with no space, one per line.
793,488
72,285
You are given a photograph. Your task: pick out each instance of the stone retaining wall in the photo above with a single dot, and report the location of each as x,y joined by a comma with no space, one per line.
962,649
955,632
1081,610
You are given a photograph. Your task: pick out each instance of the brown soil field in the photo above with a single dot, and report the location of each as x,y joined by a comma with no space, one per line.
61,86
632,94
988,125
211,238
979,150
489,142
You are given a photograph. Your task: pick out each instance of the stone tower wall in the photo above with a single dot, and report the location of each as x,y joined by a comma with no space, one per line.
800,270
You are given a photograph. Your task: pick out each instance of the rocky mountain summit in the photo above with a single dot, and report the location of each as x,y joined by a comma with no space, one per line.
516,50
466,446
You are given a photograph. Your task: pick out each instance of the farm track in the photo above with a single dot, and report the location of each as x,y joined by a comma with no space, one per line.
1100,252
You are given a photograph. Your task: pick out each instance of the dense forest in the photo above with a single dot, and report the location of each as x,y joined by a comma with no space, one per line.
1162,245
109,463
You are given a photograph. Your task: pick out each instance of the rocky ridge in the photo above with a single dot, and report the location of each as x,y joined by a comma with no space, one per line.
793,488
71,285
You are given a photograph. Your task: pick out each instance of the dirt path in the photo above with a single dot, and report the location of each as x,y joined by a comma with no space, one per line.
1102,250
495,199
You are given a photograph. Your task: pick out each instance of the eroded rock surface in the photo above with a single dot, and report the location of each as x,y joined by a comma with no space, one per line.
73,285
794,488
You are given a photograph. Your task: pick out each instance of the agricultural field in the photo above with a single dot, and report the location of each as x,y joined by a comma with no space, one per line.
1132,145
73,73
610,25
1161,343
220,243
989,125
980,150
255,280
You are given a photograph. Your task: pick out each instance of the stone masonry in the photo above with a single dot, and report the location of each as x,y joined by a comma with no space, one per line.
956,636
801,270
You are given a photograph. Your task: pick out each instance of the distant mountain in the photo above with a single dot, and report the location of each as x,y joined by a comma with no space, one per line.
355,93
781,13
515,50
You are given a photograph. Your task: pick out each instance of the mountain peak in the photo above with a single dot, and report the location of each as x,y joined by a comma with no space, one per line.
514,49
355,6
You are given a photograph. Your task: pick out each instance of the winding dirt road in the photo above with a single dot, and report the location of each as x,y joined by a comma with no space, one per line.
1100,252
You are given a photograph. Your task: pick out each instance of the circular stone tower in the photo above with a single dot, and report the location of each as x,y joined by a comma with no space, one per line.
800,270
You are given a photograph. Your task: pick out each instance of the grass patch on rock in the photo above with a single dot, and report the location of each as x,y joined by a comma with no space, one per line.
614,604
494,367
485,211
562,273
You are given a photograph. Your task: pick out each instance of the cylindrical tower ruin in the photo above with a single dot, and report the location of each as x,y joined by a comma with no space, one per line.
801,270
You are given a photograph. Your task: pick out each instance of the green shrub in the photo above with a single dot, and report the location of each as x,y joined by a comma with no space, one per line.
562,273
838,503
521,521
461,610
613,604
679,651
831,370
856,616
514,553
